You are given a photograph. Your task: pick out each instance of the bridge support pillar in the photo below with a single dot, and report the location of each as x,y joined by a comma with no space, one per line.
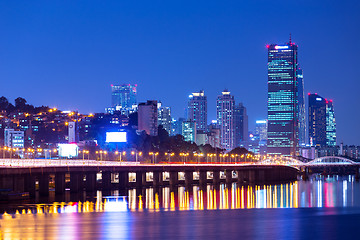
59,183
106,180
216,177
44,184
139,179
173,181
19,183
228,174
261,178
240,177
189,176
202,178
30,184
252,176
76,182
90,184
156,178
123,180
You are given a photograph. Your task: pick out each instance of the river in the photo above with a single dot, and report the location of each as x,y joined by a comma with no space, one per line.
321,207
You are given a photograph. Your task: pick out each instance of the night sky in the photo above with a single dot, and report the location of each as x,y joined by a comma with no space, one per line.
67,53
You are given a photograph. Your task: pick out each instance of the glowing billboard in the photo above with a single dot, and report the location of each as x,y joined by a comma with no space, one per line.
115,137
68,150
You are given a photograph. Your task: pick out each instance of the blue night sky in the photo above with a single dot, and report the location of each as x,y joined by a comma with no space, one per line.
67,53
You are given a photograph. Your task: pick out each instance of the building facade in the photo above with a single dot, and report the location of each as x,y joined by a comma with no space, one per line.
330,124
322,124
241,124
164,117
283,122
123,97
301,108
13,138
189,130
148,117
225,105
197,109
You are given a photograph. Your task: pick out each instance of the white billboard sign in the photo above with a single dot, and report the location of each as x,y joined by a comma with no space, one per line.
116,137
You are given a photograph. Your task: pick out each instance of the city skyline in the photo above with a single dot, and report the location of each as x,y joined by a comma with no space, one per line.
196,53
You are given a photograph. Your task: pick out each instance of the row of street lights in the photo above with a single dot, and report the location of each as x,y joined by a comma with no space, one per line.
121,155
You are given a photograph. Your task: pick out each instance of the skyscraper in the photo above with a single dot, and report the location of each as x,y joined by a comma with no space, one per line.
148,117
197,109
123,96
240,124
261,130
189,130
164,117
317,120
330,124
283,92
225,119
301,108
322,125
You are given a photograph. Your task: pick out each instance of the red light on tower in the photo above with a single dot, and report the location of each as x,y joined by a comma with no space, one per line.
309,94
267,46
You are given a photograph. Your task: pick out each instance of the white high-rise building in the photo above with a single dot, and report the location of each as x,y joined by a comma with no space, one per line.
197,109
225,119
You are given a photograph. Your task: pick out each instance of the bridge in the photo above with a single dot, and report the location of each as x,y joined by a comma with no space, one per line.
327,165
28,175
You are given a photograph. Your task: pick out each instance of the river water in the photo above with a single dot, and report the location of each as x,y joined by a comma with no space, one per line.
322,207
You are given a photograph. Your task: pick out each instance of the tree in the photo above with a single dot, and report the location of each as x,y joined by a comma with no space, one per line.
20,103
4,103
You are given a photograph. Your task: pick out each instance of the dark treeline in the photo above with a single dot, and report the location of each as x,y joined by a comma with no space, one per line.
20,105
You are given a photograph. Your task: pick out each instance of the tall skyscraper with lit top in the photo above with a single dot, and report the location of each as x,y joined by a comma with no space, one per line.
283,93
197,110
225,105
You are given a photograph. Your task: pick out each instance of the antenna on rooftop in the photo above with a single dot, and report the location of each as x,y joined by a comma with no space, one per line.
290,39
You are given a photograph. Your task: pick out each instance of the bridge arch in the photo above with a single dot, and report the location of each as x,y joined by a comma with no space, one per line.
331,160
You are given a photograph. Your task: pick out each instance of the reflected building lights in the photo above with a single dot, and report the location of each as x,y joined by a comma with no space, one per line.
318,193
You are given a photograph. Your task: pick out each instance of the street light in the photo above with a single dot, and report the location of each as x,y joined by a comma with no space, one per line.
136,153
170,154
153,154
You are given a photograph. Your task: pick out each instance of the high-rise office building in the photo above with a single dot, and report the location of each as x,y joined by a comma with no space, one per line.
123,97
189,130
317,120
283,92
330,124
148,117
240,124
197,109
176,126
261,130
214,135
164,117
225,119
301,108
322,125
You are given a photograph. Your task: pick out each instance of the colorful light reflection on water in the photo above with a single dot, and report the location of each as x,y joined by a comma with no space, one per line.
319,192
